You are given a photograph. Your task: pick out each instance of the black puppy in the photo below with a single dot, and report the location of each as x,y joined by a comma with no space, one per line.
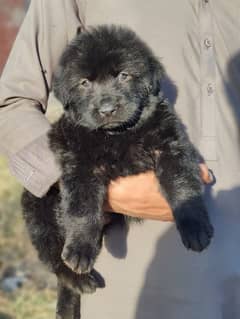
114,124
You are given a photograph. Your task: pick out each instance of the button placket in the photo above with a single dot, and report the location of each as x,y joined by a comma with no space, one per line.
208,71
210,89
208,43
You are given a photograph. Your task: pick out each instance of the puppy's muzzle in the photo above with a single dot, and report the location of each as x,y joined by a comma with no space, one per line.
107,110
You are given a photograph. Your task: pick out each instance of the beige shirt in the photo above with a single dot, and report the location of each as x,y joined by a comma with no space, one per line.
198,41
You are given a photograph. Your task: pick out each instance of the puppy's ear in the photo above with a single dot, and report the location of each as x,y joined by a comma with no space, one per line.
157,76
59,86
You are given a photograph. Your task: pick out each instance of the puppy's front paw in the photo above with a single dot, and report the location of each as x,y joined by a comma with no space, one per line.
88,283
79,257
195,228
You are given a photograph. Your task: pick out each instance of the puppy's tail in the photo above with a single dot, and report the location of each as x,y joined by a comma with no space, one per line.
68,303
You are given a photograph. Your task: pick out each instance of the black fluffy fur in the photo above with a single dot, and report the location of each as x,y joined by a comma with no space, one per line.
114,124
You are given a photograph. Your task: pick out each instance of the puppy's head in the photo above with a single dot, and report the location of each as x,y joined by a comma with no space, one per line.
107,78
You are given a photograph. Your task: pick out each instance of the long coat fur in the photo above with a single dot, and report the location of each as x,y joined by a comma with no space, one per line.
115,124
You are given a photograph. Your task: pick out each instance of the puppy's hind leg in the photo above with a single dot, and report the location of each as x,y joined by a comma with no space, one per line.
68,303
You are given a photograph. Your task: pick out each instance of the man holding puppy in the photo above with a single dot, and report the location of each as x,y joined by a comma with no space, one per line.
199,46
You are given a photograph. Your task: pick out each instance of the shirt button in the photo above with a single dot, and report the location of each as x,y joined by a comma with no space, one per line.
210,89
208,43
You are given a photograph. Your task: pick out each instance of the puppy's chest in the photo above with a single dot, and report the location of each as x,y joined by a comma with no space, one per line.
115,157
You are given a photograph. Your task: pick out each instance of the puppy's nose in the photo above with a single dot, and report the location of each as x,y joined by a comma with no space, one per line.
107,109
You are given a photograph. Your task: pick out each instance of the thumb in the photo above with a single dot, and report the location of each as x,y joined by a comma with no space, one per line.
205,174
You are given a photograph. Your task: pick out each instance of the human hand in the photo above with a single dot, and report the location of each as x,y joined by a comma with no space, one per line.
139,196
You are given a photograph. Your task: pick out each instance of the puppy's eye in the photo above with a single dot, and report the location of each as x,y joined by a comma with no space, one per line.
123,76
85,83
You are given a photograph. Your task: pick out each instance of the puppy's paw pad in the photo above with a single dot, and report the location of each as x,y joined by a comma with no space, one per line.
88,283
79,258
196,234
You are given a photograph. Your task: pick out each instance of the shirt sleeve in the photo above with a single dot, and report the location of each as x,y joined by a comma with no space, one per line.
25,84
